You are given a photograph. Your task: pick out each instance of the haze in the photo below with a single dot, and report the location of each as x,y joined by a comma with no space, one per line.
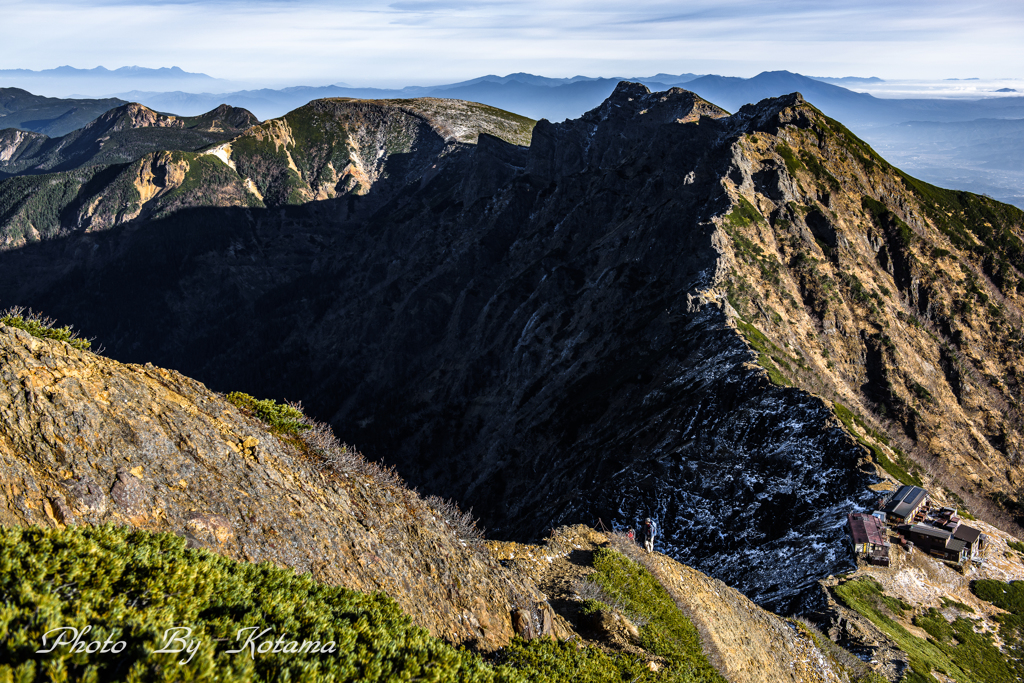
282,42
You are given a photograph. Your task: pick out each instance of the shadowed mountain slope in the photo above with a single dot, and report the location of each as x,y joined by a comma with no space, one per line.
85,440
602,325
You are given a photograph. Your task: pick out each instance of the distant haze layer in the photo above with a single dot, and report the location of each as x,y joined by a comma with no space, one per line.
393,43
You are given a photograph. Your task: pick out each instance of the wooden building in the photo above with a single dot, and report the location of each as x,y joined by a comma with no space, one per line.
904,505
942,543
868,537
972,538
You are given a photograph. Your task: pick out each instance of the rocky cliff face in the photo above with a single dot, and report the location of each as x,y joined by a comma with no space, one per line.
87,440
893,297
602,326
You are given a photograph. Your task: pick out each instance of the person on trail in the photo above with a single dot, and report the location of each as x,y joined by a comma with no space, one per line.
631,535
650,533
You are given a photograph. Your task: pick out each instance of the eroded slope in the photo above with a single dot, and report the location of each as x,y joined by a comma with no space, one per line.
86,440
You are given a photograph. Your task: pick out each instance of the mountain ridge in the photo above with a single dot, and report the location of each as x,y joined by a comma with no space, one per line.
120,135
505,307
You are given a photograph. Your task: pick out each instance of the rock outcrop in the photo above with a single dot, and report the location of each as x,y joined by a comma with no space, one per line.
87,440
746,643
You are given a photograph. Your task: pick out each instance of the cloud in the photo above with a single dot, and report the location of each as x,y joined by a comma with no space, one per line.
276,41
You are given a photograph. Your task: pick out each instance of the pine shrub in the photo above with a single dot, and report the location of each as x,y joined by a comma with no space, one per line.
42,327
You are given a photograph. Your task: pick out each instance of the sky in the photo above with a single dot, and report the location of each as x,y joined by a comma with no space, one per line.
421,42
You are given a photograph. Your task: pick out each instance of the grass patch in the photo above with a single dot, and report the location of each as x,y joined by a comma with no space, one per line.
743,214
954,648
865,596
1015,545
769,356
887,220
903,469
42,327
667,633
792,162
280,417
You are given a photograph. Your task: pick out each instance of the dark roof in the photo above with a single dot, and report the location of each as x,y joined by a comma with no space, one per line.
907,499
966,533
925,530
866,529
956,546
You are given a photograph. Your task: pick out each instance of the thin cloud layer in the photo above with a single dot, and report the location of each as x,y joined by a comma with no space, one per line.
419,41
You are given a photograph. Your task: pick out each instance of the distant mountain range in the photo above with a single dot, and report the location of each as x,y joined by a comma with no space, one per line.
534,96
70,81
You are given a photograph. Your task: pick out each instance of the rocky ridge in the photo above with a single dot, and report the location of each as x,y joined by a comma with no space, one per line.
97,178
87,440
747,643
570,332
121,135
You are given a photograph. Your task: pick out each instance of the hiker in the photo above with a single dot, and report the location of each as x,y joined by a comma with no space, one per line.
650,532
631,535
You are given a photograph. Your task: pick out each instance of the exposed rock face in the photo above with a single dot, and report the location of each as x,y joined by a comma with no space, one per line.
897,298
84,439
547,335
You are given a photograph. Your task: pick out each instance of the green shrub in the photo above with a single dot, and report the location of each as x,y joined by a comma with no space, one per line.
132,586
42,327
281,417
546,660
792,163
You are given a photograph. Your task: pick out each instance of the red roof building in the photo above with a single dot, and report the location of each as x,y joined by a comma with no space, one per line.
867,533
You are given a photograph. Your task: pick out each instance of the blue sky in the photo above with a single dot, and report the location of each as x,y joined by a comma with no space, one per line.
430,41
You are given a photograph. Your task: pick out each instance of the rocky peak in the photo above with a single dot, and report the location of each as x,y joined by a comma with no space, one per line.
770,115
635,103
627,122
